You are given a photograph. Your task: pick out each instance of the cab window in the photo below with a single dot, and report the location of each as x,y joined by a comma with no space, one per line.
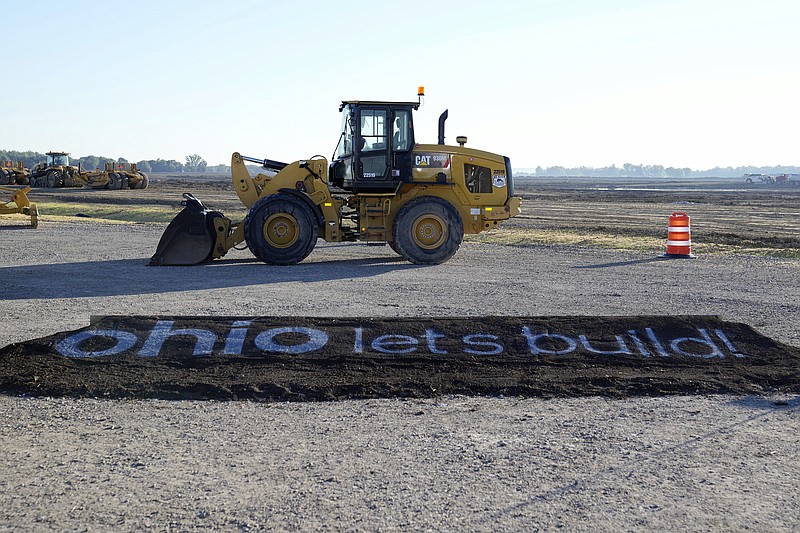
401,132
373,129
345,146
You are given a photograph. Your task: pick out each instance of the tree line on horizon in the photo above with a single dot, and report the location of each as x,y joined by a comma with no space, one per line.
629,170
195,163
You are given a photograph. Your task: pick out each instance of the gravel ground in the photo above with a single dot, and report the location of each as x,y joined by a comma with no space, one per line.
486,464
474,464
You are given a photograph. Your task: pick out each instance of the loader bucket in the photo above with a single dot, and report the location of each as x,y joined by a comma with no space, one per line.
189,238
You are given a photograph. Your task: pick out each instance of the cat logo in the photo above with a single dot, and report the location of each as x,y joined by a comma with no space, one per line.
431,160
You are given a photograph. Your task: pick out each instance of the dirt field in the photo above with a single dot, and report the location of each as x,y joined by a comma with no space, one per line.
483,463
728,215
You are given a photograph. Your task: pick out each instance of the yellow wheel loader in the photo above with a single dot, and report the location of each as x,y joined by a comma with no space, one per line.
19,204
381,187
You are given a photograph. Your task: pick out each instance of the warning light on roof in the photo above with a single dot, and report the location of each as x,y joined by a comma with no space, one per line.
420,91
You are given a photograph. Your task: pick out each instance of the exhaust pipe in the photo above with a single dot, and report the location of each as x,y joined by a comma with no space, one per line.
442,118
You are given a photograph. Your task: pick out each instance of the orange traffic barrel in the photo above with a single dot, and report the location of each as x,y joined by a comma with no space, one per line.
679,236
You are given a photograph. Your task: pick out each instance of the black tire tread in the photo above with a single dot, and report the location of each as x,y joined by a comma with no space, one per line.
280,203
402,230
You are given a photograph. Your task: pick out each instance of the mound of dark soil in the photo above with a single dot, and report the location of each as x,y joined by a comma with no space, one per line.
272,358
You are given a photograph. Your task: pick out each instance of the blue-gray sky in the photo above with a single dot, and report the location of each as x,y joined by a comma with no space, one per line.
684,83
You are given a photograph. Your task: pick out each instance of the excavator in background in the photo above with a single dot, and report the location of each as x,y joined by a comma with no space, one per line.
381,187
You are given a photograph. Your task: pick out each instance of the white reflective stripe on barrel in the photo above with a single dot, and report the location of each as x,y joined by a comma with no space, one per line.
679,243
680,229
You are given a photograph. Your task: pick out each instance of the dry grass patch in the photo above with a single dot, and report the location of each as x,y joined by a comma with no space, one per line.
521,237
112,213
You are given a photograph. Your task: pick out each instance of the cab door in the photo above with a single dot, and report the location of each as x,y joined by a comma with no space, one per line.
373,150
402,145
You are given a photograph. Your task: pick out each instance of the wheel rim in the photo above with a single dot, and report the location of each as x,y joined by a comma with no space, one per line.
429,231
281,230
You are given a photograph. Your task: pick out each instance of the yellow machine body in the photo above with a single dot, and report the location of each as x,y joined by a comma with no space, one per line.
418,198
114,176
57,172
13,173
19,204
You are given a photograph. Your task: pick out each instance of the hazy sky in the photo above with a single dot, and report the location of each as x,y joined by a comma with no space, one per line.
684,83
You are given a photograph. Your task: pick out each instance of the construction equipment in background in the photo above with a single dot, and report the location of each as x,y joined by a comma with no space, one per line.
135,178
13,173
777,179
789,179
19,204
57,172
381,187
115,176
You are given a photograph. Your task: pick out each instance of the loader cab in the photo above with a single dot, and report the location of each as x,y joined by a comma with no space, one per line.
374,149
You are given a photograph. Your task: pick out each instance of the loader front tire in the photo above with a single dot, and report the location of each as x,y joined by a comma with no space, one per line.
281,229
393,246
427,231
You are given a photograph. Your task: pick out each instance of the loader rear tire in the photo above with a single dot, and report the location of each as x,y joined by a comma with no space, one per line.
427,231
281,229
